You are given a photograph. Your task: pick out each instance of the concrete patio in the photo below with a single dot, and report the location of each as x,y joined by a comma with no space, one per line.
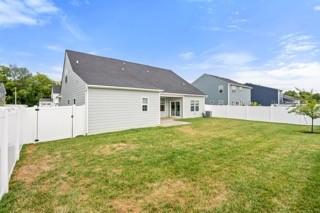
167,122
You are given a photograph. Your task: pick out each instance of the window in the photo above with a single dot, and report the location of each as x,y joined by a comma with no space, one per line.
220,102
74,101
66,79
192,106
68,101
233,88
144,104
220,88
162,105
237,103
197,106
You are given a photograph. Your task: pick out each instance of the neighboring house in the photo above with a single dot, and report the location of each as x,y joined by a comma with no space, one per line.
2,94
54,100
223,91
265,96
46,102
55,94
289,100
122,95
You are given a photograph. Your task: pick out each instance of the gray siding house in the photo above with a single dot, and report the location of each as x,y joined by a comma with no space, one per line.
265,96
121,95
223,91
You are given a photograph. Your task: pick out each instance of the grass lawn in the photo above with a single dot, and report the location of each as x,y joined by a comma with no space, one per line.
211,165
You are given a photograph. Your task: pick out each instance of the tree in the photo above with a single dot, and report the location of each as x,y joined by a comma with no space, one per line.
291,93
30,88
309,106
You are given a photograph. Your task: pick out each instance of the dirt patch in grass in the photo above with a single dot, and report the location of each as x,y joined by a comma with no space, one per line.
30,149
179,193
124,206
108,149
170,191
31,170
218,193
188,130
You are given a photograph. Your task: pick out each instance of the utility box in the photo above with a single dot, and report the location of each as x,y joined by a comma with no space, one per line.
207,114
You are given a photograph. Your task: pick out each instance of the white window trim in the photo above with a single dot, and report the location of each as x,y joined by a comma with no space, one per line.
196,105
143,104
192,103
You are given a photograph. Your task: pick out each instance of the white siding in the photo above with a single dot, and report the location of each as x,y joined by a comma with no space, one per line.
187,106
75,87
113,110
165,113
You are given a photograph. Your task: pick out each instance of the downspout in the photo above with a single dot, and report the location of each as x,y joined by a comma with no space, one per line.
228,91
87,109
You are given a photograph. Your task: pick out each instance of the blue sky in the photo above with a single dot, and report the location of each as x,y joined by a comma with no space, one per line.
270,42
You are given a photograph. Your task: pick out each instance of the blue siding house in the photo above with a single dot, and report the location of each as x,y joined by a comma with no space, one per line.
265,96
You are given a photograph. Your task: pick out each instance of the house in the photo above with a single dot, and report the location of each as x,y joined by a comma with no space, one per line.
54,100
55,94
223,91
121,95
265,96
46,102
2,94
289,100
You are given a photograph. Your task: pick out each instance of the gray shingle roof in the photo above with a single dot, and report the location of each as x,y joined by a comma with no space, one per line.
2,90
228,80
103,71
257,85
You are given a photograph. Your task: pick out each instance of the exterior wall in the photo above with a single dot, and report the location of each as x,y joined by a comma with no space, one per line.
186,106
210,86
114,110
264,95
75,87
166,111
55,98
241,96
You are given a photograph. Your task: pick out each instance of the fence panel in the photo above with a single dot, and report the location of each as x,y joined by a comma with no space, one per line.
22,125
54,123
259,113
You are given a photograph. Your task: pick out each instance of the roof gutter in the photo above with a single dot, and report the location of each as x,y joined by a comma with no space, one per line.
124,88
241,85
168,94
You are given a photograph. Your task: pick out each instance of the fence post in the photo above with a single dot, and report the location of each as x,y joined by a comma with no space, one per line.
17,145
247,107
37,123
72,120
4,184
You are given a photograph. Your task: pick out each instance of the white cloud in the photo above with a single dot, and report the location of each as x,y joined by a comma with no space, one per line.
295,65
295,44
56,48
26,12
54,72
231,58
317,8
73,28
294,75
186,55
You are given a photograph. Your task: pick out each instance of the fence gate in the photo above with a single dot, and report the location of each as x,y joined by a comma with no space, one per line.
53,123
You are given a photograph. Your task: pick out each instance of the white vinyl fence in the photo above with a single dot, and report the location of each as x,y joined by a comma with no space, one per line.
22,125
276,114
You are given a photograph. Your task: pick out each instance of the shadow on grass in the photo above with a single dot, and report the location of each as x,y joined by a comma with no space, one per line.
309,132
